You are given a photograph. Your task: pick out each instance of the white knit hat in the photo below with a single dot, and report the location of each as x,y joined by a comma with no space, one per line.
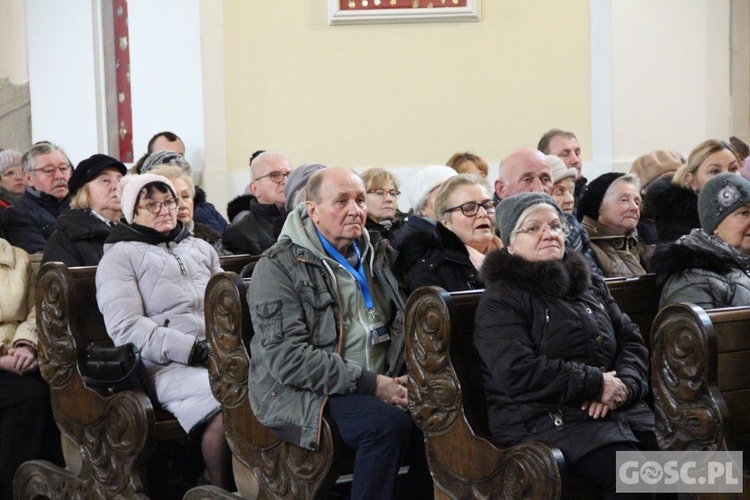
131,185
426,180
558,169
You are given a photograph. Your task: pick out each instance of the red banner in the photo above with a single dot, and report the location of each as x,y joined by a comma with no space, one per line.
122,72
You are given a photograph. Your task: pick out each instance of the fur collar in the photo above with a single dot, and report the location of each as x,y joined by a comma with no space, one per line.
669,200
569,277
674,258
239,204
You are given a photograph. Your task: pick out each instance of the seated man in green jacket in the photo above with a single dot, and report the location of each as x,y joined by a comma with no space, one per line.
329,338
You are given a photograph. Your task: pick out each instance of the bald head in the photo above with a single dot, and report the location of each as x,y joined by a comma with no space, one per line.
336,205
523,171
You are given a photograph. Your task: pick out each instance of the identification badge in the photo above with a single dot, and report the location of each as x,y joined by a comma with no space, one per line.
378,333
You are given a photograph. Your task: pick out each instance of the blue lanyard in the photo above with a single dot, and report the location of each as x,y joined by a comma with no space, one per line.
359,273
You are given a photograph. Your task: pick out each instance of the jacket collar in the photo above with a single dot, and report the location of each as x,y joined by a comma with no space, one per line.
698,250
299,228
565,278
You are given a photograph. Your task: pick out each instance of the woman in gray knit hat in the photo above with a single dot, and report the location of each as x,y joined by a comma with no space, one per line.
710,267
561,363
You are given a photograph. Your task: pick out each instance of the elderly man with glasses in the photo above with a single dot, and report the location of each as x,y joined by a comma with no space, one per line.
31,220
258,230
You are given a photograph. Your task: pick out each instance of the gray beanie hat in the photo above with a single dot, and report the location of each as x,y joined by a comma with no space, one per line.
510,209
721,196
297,180
165,157
9,158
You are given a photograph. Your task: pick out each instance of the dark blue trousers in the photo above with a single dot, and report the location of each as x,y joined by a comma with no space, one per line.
384,438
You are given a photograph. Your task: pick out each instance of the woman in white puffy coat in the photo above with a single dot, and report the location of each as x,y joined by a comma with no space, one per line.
150,289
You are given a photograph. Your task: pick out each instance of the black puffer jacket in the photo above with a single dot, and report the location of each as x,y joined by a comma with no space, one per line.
674,208
31,220
437,259
78,239
545,332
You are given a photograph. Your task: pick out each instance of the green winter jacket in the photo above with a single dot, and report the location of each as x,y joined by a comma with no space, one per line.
306,309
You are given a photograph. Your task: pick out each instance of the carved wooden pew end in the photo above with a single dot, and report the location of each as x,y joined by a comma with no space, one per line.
106,440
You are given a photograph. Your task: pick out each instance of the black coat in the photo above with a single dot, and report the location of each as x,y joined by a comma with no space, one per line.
673,207
545,332
78,239
387,231
438,259
31,220
255,232
413,224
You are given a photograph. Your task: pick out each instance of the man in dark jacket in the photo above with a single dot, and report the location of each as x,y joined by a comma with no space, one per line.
258,230
30,222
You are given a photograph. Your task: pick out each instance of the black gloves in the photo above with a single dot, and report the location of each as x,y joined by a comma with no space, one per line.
199,354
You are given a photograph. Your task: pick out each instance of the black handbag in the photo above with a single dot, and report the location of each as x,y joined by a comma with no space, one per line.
111,369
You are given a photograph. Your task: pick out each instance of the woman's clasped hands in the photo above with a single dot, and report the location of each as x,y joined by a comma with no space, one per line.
614,395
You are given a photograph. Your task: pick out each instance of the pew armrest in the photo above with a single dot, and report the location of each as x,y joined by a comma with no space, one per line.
104,438
464,465
691,413
261,461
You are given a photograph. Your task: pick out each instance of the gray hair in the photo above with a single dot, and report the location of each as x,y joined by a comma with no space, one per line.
28,160
631,178
262,158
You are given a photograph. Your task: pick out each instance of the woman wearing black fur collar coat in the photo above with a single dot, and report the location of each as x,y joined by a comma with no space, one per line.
710,267
562,364
452,255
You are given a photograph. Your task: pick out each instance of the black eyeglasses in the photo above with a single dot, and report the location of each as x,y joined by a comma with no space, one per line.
471,208
276,177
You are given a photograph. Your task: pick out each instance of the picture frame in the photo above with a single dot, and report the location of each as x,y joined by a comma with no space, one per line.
343,12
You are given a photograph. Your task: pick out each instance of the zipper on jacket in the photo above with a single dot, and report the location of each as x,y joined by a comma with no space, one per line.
188,281
179,261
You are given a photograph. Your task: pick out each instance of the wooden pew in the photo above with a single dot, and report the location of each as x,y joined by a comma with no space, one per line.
264,466
106,440
700,376
639,298
447,401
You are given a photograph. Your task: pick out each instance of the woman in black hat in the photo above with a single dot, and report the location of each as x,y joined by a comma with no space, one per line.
79,237
609,211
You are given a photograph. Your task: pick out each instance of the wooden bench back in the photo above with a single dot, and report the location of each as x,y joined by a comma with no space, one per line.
639,299
462,308
85,320
732,330
701,377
